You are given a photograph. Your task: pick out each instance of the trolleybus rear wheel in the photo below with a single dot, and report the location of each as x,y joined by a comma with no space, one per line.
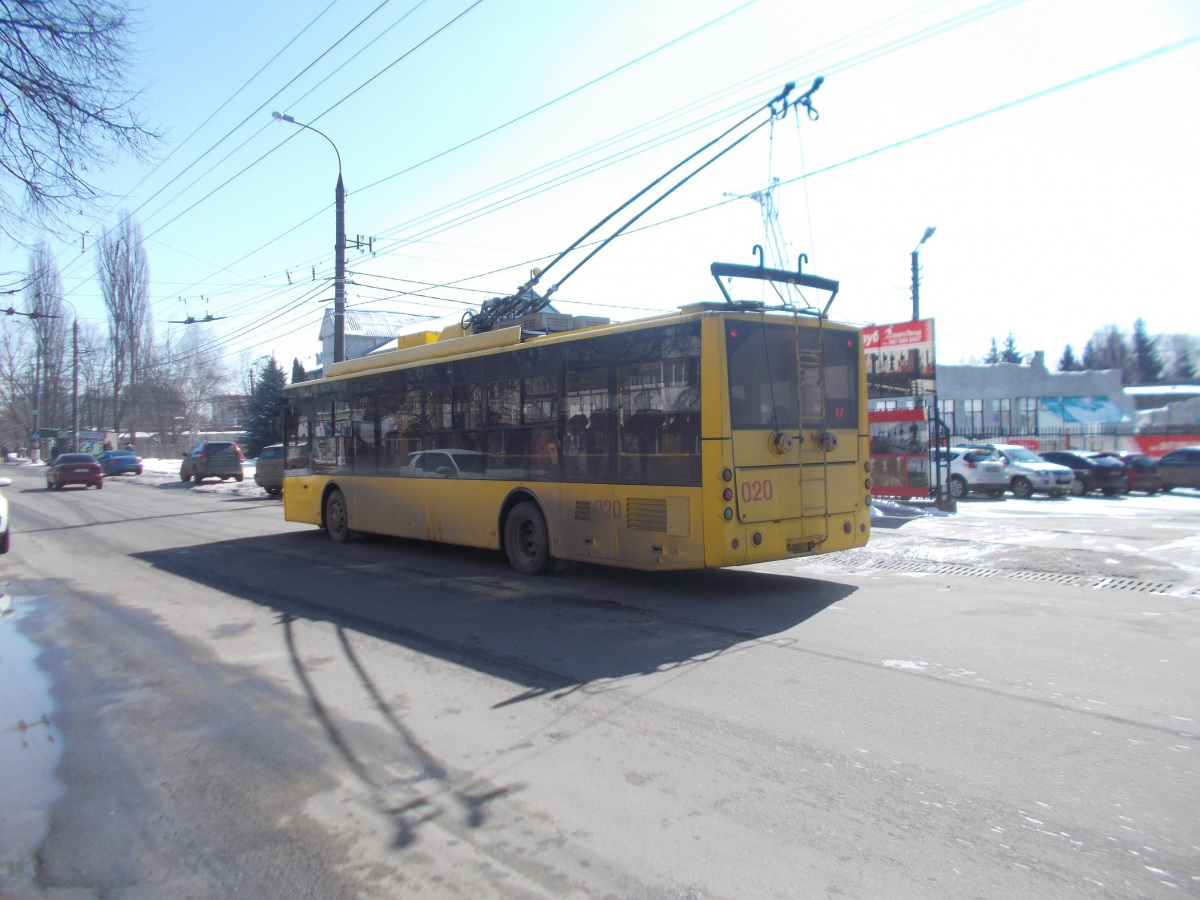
337,524
526,540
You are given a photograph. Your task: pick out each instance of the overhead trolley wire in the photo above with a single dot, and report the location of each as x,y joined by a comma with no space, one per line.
243,122
449,150
251,165
848,161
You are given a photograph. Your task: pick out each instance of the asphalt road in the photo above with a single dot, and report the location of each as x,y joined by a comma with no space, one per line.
1003,703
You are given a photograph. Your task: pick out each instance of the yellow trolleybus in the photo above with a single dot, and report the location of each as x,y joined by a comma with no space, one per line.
721,435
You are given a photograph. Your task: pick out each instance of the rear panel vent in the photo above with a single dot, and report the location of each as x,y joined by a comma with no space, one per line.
583,511
646,514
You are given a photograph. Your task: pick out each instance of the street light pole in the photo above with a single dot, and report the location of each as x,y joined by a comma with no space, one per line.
916,277
339,257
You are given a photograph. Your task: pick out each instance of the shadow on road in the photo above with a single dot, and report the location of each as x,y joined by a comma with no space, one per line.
547,634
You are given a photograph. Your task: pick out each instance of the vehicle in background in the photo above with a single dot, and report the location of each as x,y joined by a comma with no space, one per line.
74,468
268,470
1092,472
1140,469
120,462
974,470
1029,474
4,482
1180,468
212,459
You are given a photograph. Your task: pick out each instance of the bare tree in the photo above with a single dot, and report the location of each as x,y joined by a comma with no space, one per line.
193,365
16,380
125,285
95,387
64,107
43,299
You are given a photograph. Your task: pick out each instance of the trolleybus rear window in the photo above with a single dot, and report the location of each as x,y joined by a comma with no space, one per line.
767,364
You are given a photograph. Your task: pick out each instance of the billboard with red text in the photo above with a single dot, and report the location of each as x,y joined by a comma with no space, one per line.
900,359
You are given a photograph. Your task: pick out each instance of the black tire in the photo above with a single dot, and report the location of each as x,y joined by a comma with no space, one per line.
1022,488
184,478
337,519
273,492
1167,490
527,540
1113,492
958,487
4,541
99,485
1078,488
236,478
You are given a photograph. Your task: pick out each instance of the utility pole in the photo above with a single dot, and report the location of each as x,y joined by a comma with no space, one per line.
75,385
339,270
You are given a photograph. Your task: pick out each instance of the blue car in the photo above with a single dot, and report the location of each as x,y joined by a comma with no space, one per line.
120,462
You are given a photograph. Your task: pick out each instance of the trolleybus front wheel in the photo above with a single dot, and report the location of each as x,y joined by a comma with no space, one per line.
526,539
337,523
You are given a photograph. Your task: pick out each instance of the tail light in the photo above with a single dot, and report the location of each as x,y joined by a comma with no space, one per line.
970,465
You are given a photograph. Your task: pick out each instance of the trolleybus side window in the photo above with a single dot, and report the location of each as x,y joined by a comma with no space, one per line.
589,410
298,418
324,448
504,402
362,422
659,422
400,429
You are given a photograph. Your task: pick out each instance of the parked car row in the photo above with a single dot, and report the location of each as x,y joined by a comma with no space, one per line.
995,469
207,459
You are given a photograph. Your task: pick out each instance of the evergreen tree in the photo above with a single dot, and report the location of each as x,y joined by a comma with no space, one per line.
1069,363
1010,353
298,374
1184,367
1108,349
993,355
1147,361
264,424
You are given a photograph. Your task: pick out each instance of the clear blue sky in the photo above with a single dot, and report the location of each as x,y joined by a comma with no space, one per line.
1055,214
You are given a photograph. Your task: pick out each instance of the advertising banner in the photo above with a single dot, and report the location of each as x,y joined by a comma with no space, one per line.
900,359
900,453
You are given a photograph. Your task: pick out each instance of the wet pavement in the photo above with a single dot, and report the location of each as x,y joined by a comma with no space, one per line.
29,747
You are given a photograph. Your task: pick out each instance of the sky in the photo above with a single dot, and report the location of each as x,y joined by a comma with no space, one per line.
1052,143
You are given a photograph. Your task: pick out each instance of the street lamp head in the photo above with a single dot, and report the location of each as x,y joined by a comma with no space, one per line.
284,116
927,235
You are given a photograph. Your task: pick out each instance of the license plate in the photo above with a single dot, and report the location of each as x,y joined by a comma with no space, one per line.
81,471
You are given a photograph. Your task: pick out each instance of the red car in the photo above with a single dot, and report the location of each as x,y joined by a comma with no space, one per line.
74,468
1141,469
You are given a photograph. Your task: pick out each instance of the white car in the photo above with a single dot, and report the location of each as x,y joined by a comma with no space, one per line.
1029,474
4,482
978,470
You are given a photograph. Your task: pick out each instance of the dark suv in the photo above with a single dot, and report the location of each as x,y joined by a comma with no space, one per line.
1093,472
212,459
